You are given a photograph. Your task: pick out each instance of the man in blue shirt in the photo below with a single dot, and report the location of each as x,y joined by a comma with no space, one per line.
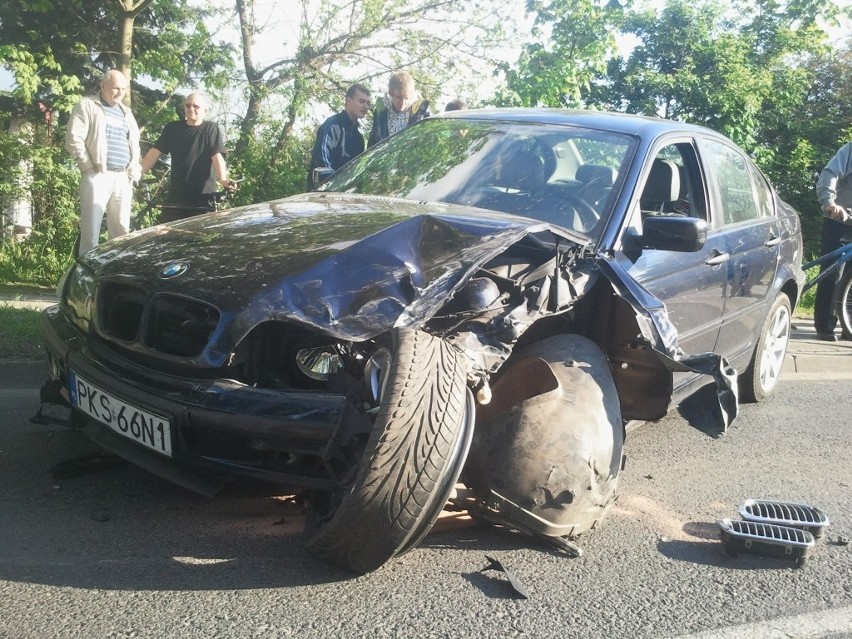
339,139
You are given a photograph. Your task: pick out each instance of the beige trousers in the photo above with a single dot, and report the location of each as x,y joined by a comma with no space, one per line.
104,192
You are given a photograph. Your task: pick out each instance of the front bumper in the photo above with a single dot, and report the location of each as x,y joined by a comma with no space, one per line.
219,427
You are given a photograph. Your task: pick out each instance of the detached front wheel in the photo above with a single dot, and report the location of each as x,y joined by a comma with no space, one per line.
410,463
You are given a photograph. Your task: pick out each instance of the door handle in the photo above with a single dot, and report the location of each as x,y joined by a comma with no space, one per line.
775,241
717,258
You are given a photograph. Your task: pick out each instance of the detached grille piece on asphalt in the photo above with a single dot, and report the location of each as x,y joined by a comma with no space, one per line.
785,514
770,540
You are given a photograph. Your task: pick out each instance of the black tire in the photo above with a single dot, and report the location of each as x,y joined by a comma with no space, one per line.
547,451
844,303
760,379
410,463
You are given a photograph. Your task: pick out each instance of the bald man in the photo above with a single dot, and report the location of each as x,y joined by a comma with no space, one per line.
197,148
103,139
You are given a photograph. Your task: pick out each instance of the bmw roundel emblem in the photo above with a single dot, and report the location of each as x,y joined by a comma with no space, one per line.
173,270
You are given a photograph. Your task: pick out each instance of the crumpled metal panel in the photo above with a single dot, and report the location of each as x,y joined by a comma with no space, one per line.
338,266
655,326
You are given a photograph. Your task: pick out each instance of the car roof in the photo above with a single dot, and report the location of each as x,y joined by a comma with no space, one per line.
628,123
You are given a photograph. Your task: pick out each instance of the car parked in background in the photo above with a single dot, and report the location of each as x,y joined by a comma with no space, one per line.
487,296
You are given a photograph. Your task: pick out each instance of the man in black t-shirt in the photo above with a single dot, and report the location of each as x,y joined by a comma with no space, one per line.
196,147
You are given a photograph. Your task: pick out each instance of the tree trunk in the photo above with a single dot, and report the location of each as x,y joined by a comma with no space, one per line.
129,10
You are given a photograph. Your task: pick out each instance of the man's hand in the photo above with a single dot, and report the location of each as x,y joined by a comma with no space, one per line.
836,212
228,184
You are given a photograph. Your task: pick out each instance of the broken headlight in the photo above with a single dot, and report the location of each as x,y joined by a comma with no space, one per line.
319,363
79,296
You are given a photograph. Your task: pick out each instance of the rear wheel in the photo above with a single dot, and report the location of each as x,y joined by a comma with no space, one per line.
844,303
410,463
761,377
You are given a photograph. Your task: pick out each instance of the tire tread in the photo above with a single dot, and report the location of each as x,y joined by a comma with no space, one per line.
416,432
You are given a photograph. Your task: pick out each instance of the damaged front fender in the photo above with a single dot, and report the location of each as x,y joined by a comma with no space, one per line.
645,358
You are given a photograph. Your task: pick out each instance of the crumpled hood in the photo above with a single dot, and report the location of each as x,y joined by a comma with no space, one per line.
351,266
354,266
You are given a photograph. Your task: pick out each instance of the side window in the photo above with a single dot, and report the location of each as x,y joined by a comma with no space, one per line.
765,202
673,184
732,181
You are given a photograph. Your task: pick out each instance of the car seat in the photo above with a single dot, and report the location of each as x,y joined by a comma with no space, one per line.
519,171
662,188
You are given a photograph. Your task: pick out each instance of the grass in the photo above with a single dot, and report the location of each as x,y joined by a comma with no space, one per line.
20,337
806,304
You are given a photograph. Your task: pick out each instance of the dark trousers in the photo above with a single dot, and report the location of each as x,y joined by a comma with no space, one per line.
834,235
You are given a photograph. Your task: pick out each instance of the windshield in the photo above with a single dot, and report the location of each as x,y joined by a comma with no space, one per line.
558,174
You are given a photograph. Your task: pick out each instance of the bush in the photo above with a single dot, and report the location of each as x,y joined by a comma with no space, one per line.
51,188
20,338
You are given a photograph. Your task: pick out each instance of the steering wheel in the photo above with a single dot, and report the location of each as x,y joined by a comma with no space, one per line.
585,211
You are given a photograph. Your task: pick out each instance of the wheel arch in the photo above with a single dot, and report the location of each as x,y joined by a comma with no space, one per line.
547,451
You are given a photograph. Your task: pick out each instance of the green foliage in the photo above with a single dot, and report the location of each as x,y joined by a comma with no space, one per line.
338,43
572,40
749,71
57,51
44,176
809,298
272,170
797,141
38,73
20,338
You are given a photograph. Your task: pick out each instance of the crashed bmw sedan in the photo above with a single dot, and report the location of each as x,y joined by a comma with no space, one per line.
471,310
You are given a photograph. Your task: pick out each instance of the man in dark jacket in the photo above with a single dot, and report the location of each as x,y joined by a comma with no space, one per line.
339,139
398,109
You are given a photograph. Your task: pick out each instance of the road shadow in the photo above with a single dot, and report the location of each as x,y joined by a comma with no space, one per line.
701,411
160,538
708,549
121,528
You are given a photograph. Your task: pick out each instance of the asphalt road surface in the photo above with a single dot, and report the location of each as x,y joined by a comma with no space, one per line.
120,553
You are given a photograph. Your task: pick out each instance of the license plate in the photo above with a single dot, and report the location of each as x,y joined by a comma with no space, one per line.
141,426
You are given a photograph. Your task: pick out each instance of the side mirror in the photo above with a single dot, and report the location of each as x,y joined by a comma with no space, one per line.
673,233
320,175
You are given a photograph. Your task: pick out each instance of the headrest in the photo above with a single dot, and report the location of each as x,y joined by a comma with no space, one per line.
597,173
520,168
663,182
